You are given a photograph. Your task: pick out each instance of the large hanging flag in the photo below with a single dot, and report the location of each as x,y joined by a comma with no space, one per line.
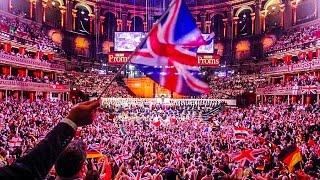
168,54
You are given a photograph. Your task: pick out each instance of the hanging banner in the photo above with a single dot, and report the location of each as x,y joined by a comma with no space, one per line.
208,60
118,58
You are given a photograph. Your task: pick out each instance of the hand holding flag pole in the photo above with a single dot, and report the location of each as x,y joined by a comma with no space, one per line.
137,48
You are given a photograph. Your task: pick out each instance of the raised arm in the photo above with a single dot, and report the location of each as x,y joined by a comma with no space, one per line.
37,163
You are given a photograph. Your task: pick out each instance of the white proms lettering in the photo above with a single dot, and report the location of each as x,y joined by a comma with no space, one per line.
115,58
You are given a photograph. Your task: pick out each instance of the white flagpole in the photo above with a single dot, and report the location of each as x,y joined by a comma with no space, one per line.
137,48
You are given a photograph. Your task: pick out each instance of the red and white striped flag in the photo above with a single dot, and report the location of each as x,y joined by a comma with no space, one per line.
14,142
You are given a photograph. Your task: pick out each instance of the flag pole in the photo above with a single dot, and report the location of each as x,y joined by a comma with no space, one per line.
137,48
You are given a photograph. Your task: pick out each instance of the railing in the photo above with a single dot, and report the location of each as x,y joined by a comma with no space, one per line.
289,90
106,101
303,66
32,86
28,62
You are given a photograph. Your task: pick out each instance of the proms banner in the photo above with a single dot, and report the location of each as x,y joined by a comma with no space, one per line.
119,58
208,60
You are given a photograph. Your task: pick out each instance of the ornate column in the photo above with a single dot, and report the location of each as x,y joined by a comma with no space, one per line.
225,22
119,25
203,15
129,25
91,18
208,26
235,29
263,20
68,15
294,13
230,24
31,9
145,26
288,14
74,15
44,6
63,14
39,9
102,18
282,8
257,22
124,17
253,15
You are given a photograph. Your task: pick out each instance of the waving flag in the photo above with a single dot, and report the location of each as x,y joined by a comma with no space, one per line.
241,133
178,158
168,54
290,155
120,158
15,142
246,156
94,154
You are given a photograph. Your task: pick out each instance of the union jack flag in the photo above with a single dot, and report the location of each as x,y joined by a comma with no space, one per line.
178,158
309,90
245,157
120,158
168,54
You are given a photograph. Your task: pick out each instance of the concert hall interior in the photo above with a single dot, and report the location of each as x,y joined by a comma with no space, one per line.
160,89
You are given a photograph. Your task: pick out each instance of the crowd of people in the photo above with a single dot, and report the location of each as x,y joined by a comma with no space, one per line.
30,33
45,79
230,86
93,84
296,38
169,141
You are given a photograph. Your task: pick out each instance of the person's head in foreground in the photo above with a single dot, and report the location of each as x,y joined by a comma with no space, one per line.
72,164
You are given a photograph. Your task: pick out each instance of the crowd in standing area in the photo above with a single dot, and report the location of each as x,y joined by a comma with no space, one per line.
165,141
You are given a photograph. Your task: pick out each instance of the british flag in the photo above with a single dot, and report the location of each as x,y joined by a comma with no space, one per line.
247,156
309,90
120,158
168,54
178,158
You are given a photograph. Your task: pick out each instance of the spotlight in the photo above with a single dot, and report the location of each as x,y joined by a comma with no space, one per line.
53,3
82,12
273,8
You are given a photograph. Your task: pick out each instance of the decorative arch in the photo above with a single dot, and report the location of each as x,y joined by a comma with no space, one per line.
216,13
243,8
110,11
84,5
60,2
138,15
271,2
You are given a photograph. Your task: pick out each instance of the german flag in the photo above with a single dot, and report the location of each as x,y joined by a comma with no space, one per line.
290,156
94,154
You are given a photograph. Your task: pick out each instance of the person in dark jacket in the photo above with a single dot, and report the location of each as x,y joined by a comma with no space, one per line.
37,163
